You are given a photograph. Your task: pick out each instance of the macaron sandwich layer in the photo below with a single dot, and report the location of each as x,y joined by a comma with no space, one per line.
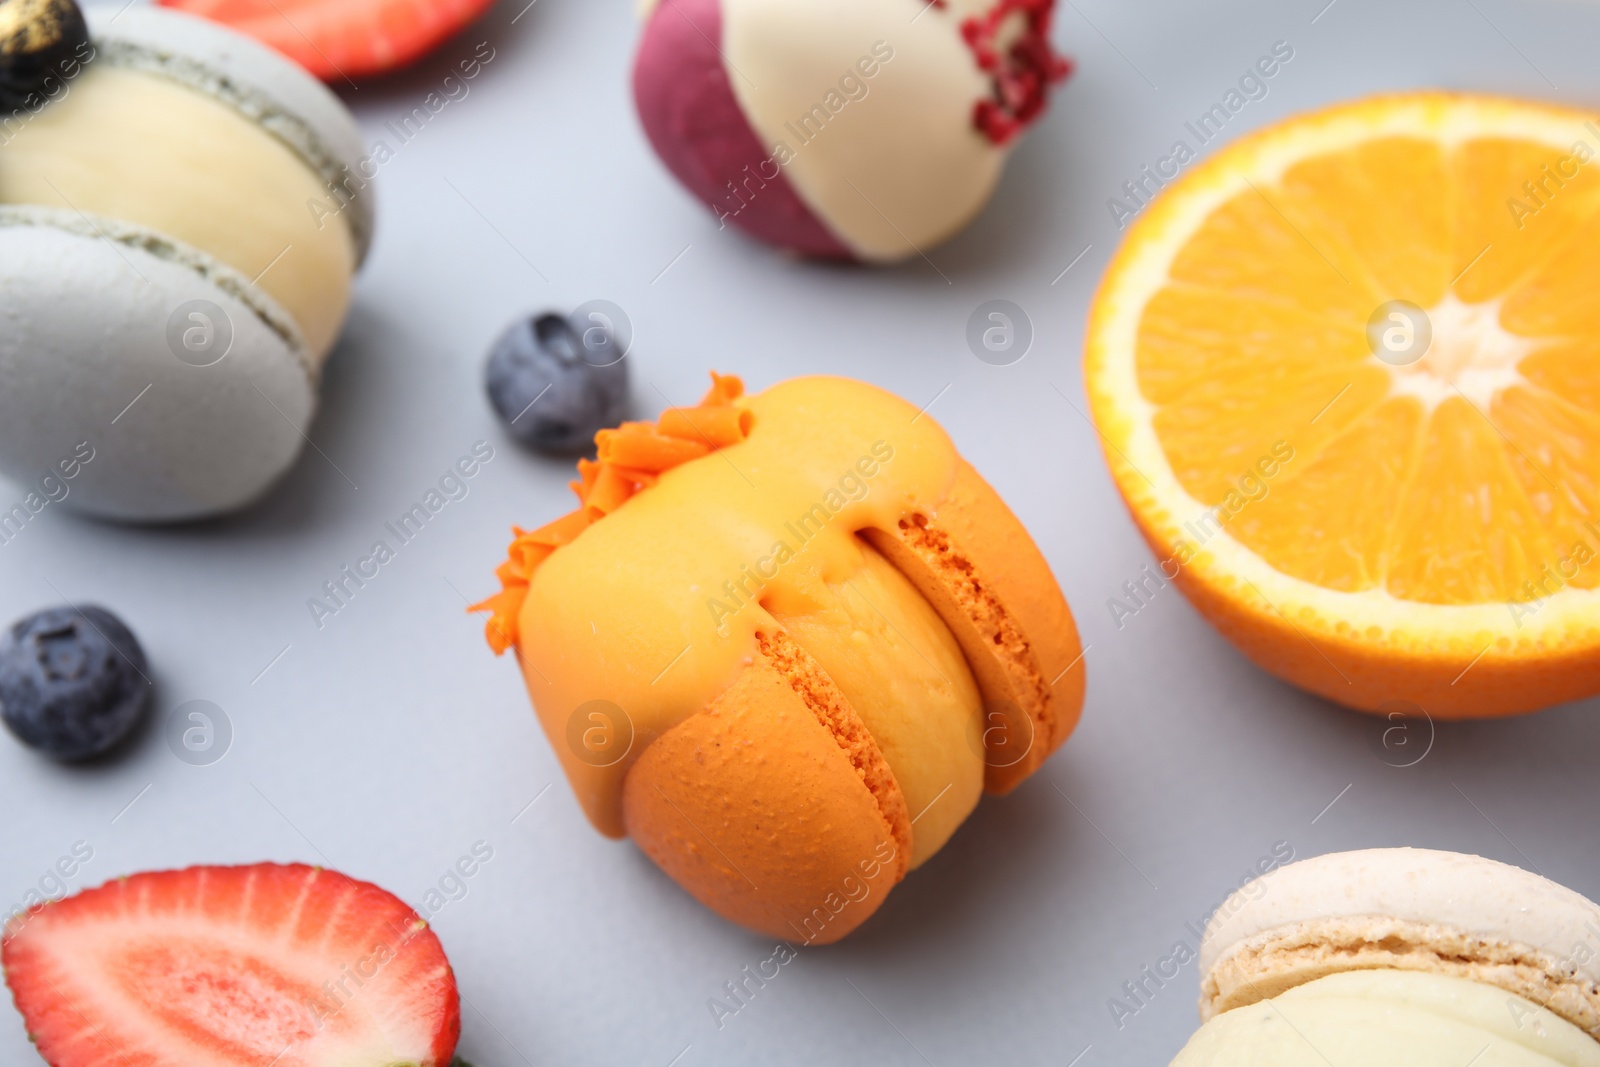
1407,909
179,225
868,633
819,651
1400,956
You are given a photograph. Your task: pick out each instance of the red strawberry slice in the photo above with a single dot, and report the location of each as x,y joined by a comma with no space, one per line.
339,39
266,966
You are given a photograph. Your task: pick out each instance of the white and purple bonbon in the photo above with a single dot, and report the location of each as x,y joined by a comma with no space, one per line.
866,130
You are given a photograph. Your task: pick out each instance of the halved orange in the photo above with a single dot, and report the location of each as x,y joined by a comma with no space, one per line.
1347,372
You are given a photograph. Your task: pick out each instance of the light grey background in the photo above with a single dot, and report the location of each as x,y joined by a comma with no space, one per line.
389,741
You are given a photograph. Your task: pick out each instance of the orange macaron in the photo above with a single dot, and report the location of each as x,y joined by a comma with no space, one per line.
785,643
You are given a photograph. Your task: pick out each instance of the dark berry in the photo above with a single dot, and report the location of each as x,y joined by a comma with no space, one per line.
72,682
43,45
554,382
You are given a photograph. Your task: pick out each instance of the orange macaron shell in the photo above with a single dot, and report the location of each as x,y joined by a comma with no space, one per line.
687,715
976,564
773,807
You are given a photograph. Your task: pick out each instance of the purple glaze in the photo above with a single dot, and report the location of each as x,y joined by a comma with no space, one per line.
696,126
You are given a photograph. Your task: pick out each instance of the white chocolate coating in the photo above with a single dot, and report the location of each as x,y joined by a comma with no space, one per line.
897,170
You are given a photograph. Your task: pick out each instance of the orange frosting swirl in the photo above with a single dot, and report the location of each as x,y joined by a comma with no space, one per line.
629,459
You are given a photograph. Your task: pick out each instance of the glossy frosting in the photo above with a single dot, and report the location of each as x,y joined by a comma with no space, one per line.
903,673
656,607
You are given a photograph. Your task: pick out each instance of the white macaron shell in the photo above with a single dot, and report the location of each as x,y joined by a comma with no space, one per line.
266,87
84,334
1482,897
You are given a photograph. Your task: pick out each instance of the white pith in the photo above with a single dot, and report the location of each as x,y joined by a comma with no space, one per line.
1470,355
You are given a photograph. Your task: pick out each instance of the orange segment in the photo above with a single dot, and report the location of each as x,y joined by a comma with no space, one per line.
1249,248
1513,229
1381,203
1429,527
1556,457
1189,337
1466,531
1291,527
1219,431
1569,369
1558,298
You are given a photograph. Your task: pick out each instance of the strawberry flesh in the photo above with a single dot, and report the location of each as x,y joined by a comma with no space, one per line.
291,966
343,39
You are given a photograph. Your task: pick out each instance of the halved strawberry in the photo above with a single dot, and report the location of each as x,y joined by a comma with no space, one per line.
290,966
338,39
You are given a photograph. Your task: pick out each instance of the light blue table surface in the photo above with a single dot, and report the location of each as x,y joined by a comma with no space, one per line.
388,742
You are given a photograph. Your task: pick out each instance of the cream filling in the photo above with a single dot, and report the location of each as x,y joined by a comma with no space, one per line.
904,674
890,162
1390,1019
142,149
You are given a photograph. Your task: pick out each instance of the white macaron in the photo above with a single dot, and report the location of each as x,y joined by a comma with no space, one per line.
1400,957
145,318
1405,909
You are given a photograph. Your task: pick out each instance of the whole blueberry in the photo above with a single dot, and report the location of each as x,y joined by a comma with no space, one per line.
555,382
73,682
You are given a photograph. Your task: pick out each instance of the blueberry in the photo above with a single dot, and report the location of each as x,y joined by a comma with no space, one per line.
555,382
72,682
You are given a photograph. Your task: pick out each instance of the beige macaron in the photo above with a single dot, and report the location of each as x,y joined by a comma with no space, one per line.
1405,909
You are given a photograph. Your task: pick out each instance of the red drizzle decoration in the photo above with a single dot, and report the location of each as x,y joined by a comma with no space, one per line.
1022,74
